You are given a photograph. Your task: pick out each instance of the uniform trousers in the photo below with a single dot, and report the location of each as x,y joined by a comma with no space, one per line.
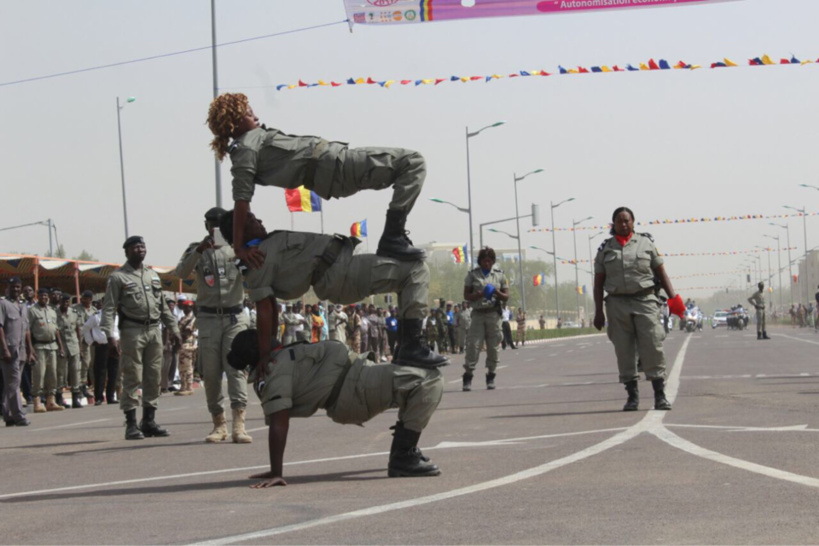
760,320
86,363
68,371
635,328
12,404
216,333
507,335
141,363
106,372
44,372
486,326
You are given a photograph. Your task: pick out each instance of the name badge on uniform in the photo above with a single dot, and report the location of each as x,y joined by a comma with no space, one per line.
209,279
221,272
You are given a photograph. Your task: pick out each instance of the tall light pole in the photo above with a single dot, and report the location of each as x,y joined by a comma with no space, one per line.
803,212
217,168
517,179
467,211
469,182
779,260
787,228
576,274
520,270
768,250
122,162
552,214
591,261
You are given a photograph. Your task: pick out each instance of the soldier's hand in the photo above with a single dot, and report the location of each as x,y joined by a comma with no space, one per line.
61,353
31,358
252,257
599,321
176,339
206,243
7,355
114,348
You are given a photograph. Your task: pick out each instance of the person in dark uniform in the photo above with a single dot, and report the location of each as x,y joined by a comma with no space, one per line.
624,268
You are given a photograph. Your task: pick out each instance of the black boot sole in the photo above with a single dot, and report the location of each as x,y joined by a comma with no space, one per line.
155,434
405,474
402,257
425,366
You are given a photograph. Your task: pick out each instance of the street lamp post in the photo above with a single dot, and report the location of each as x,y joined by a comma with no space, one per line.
591,262
122,162
803,212
787,228
576,274
554,255
779,261
517,222
461,209
469,183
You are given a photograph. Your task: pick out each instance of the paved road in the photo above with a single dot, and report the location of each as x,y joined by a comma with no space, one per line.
548,457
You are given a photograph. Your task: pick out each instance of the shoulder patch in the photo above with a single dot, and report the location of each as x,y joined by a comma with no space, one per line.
233,146
648,236
603,245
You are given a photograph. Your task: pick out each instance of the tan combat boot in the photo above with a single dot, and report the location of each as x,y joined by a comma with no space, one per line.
38,405
52,405
239,434
219,432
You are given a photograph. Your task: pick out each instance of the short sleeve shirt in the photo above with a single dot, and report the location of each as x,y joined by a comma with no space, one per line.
68,323
758,299
218,281
136,294
14,322
42,322
287,271
628,269
300,378
478,281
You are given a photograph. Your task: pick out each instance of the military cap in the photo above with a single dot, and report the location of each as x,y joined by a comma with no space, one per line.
56,291
42,291
87,294
213,215
14,280
66,296
133,240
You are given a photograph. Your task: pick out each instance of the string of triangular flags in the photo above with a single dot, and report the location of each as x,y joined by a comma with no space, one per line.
683,221
650,65
694,254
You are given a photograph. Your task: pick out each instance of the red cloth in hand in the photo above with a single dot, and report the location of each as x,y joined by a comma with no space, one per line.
676,306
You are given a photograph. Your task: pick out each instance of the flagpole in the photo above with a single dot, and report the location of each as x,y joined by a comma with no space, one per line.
322,219
291,223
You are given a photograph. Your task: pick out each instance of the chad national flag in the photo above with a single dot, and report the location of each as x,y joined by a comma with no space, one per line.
359,229
460,254
302,200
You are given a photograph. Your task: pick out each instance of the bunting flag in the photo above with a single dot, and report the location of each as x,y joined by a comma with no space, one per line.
540,279
694,254
460,254
402,12
302,200
581,290
648,66
359,229
606,227
795,279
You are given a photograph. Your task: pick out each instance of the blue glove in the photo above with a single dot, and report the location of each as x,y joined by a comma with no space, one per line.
488,292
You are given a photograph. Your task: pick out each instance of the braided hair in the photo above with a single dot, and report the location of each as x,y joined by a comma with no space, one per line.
224,115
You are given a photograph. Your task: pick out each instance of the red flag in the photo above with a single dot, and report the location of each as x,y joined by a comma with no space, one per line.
439,80
302,84
582,70
405,82
370,80
335,84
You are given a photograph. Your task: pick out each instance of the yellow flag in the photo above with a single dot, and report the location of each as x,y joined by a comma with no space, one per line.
767,60
605,68
729,62
322,82
427,81
643,66
360,80
388,83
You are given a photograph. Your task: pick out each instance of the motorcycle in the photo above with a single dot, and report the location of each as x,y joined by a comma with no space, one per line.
690,321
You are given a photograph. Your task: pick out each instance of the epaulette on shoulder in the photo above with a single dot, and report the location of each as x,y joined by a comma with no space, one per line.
648,236
603,245
233,146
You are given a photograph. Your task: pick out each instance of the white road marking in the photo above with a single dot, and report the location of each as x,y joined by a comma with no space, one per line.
798,339
793,428
553,354
69,425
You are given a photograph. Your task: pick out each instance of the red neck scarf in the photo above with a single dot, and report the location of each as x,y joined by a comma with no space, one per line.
623,240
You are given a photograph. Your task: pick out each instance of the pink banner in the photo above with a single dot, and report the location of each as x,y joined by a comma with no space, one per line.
423,11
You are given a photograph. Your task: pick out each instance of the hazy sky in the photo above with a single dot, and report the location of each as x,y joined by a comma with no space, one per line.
670,144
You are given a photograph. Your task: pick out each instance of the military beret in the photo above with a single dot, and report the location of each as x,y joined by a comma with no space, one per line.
14,280
133,240
87,294
66,296
42,291
213,215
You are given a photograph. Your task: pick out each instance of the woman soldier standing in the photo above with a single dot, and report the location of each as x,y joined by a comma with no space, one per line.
625,267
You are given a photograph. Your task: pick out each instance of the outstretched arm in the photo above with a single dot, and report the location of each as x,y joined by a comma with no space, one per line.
267,324
599,317
253,257
276,442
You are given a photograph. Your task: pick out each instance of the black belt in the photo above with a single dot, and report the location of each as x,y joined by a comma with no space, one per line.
222,311
333,398
328,258
36,342
641,293
148,322
485,310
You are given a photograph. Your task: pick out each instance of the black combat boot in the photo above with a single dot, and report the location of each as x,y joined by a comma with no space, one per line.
490,381
58,398
148,425
660,401
765,335
467,379
413,350
132,432
406,460
759,335
75,400
394,242
633,402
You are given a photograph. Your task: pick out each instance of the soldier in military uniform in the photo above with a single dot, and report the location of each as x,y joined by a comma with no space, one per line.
45,336
85,310
443,337
15,344
299,380
268,157
625,267
295,261
432,330
485,288
758,301
464,321
134,292
68,365
221,316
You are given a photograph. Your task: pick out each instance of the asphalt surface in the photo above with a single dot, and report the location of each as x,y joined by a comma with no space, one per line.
548,457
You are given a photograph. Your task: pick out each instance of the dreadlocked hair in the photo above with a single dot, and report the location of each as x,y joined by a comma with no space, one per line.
224,115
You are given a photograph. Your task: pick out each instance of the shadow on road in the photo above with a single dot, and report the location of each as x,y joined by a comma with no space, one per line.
563,414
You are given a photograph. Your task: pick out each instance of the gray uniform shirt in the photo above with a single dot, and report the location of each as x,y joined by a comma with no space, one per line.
757,300
14,322
628,269
136,294
84,313
218,281
268,157
42,322
478,281
287,271
68,323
